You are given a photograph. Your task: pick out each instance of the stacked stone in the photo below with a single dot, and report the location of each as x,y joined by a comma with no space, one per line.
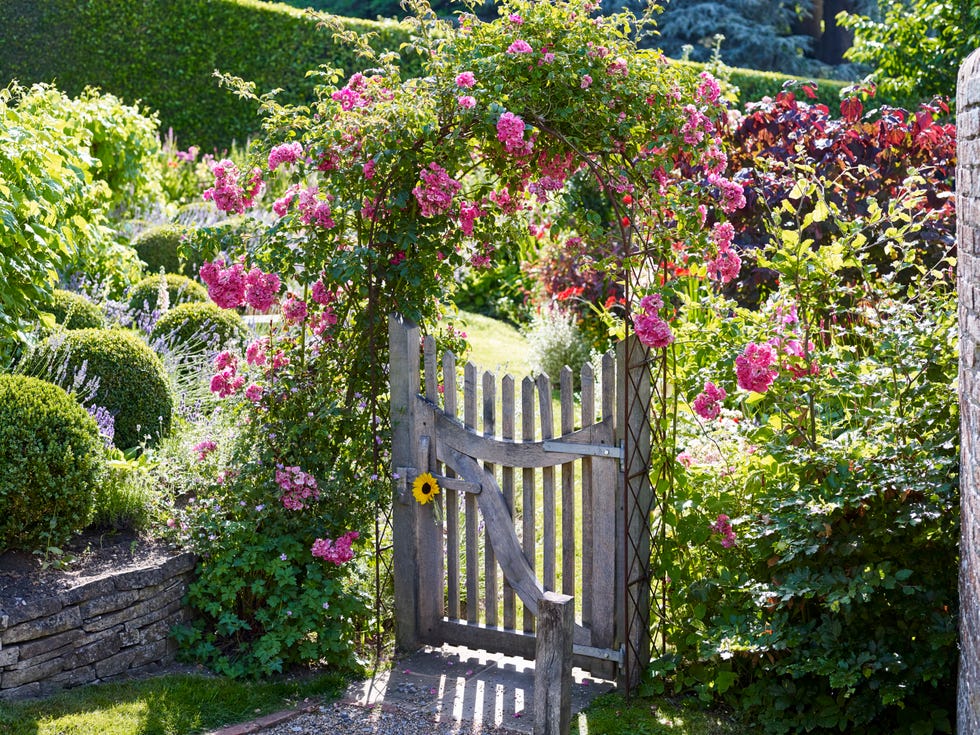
109,628
968,267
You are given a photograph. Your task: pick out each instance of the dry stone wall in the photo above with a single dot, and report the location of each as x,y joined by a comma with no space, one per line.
968,255
109,628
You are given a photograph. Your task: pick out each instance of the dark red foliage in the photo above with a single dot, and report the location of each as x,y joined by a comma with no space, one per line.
857,158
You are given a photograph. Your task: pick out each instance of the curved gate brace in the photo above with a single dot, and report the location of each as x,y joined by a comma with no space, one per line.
500,529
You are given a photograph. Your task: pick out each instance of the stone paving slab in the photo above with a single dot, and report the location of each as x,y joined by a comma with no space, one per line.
462,685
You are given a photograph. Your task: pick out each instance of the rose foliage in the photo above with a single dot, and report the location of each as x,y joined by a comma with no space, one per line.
391,185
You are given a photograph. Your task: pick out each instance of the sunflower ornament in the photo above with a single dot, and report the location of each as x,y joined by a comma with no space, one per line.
425,488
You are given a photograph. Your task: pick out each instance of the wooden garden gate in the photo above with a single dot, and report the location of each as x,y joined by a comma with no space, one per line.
524,509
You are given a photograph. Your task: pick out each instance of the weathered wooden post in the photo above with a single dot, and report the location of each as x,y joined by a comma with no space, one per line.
968,271
403,338
553,664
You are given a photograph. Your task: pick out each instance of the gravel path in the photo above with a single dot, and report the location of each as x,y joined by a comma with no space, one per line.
353,719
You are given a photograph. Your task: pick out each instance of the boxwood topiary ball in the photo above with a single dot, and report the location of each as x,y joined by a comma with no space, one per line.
74,311
133,384
182,290
157,247
52,459
198,327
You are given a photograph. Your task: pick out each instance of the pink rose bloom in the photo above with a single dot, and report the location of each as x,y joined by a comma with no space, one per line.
708,90
338,551
520,47
685,459
209,271
467,101
227,286
510,132
285,153
255,353
225,359
722,234
436,194
586,81
314,211
725,266
294,310
254,393
203,449
261,289
707,403
652,331
732,194
281,205
226,383
754,367
369,170
465,80
515,19
723,527
321,295
468,212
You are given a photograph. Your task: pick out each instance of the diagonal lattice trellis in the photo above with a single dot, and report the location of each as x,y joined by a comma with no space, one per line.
645,398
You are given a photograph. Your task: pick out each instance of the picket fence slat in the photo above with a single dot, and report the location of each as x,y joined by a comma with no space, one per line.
527,486
566,387
472,550
588,418
507,485
489,562
547,485
452,497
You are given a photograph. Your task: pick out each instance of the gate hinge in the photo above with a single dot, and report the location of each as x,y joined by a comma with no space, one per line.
605,654
592,450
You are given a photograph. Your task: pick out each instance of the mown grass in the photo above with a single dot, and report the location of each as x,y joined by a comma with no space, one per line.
612,714
496,346
176,704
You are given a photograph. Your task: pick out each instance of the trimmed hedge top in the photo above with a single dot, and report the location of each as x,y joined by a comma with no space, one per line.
51,456
73,311
133,384
181,289
165,52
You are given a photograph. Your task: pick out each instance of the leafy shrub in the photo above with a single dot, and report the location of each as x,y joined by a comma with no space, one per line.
157,247
198,327
501,292
129,50
180,289
51,456
50,207
858,164
555,340
813,581
916,48
125,499
73,311
133,385
123,140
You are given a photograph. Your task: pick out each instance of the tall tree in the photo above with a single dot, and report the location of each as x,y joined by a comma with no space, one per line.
916,46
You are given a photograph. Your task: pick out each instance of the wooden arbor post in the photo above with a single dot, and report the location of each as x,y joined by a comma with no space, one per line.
403,338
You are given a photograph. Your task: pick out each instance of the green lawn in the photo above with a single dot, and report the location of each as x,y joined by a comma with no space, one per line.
179,704
613,715
496,345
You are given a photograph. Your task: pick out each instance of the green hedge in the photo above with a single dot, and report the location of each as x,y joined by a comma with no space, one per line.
753,85
164,53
